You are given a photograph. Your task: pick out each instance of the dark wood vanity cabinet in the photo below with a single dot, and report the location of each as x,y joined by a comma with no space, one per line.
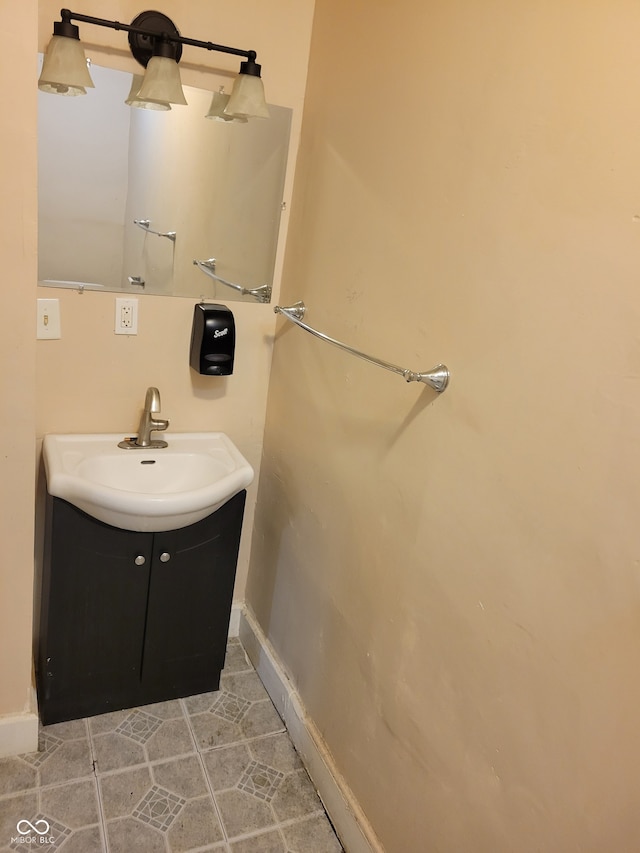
132,618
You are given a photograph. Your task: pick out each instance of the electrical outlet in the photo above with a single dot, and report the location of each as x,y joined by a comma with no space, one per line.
126,316
48,324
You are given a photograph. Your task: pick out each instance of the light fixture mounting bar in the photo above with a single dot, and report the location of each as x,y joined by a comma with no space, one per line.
67,16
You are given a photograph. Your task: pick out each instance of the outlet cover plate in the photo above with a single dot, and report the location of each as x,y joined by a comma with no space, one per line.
126,319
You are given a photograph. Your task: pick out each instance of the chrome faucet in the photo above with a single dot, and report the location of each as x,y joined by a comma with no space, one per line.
148,423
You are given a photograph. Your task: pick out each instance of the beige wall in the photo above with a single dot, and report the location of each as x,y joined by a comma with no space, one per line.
17,359
94,380
453,582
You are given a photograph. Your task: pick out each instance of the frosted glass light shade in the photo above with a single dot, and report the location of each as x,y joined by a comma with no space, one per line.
218,104
247,98
162,82
64,70
134,100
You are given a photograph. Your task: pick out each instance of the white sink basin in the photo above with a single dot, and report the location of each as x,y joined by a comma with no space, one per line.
146,489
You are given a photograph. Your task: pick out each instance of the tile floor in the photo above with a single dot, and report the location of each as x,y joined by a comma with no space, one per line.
210,772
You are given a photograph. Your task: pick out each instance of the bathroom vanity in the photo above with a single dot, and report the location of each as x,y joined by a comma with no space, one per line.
129,618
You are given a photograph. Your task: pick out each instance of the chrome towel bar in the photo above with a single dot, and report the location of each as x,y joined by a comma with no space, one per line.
208,267
145,224
437,378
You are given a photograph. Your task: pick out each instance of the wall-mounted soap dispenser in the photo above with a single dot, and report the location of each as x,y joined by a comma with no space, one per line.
213,340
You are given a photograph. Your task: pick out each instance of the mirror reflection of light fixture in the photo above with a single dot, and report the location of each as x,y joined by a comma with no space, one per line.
157,45
217,109
133,99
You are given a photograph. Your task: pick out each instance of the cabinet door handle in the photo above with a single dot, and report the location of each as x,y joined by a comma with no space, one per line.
139,560
165,557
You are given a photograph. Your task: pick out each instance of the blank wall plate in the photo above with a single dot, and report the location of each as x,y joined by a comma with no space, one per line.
48,323
126,316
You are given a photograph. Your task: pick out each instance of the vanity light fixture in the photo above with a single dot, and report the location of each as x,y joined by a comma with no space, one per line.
247,96
161,81
64,71
155,43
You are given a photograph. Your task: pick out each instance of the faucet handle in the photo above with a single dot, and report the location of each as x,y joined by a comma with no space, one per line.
152,401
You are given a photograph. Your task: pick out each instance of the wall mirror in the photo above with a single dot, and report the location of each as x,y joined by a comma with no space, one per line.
130,198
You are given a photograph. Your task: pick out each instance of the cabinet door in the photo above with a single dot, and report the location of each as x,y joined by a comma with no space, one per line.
94,597
190,594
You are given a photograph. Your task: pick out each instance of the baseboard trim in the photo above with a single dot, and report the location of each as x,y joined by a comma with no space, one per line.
234,621
19,732
350,823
